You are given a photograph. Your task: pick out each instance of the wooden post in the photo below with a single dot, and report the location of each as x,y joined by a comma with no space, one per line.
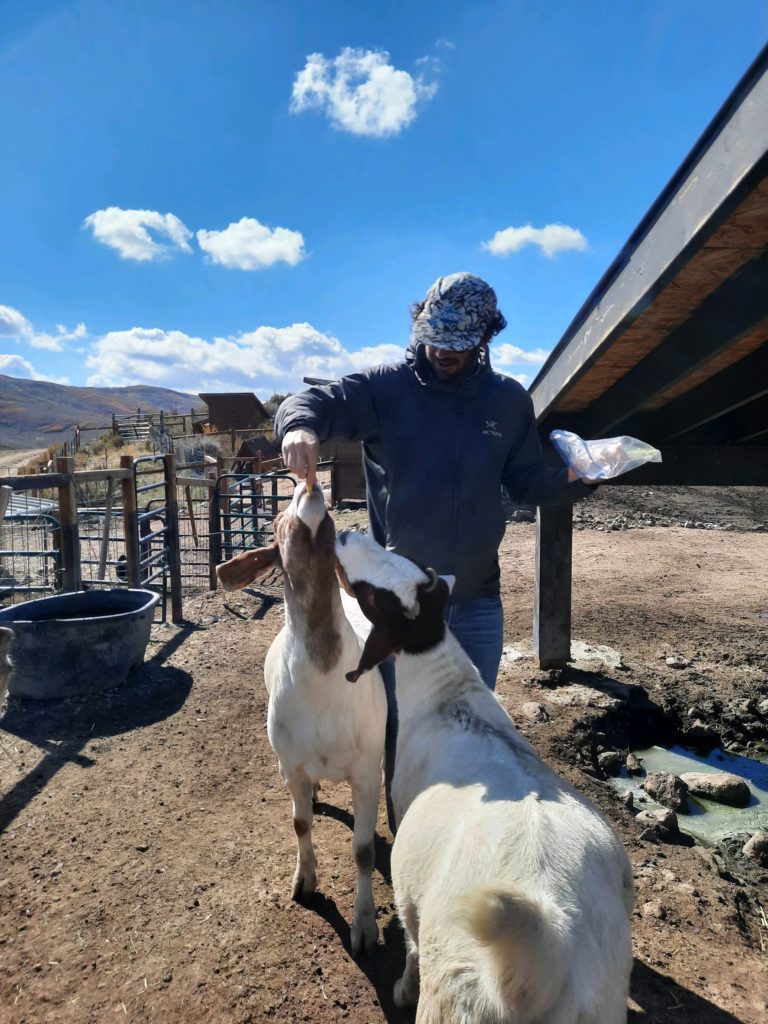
70,536
5,497
130,523
172,537
552,600
104,550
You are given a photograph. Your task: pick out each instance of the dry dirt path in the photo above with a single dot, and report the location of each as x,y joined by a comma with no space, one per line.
146,848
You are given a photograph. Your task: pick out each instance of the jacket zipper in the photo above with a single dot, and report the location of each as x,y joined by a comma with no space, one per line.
457,480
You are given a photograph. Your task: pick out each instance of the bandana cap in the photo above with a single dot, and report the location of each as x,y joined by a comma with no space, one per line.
458,311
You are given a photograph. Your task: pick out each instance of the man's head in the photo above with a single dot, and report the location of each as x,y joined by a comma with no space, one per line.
456,319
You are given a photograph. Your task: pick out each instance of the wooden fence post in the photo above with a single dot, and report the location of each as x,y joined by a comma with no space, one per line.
130,523
70,535
552,607
172,537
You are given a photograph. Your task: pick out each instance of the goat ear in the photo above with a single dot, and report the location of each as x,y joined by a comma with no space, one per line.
343,579
247,567
380,644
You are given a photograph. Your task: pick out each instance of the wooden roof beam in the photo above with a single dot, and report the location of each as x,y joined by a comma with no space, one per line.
702,466
724,317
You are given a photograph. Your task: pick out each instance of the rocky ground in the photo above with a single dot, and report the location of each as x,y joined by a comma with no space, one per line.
146,847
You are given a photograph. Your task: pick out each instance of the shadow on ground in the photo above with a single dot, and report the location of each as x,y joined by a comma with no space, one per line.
61,728
663,1001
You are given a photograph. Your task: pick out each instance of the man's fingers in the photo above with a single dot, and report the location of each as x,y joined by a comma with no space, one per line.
300,454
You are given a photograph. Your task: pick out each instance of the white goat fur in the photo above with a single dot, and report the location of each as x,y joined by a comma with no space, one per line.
514,893
319,725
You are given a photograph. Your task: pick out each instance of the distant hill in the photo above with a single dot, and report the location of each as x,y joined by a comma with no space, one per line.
34,413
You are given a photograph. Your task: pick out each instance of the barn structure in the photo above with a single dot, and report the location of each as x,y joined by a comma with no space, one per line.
233,410
672,344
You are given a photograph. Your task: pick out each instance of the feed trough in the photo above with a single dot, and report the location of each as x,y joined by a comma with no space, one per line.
77,644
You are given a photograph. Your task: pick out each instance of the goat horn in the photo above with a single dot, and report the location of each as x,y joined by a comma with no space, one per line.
433,578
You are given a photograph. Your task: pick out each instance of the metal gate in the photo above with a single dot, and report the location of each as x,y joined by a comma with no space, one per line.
244,508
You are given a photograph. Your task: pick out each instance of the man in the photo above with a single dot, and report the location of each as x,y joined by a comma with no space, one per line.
442,434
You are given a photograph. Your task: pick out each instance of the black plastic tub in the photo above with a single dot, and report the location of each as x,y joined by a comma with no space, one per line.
76,644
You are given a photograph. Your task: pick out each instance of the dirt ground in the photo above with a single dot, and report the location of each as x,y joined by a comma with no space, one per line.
147,849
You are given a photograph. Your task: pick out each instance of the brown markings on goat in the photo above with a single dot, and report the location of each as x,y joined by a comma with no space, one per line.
300,827
365,857
310,570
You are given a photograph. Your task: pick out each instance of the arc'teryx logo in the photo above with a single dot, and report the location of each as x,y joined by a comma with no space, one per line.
491,429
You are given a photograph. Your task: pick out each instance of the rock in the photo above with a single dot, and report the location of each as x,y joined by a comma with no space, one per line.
628,799
667,789
575,694
610,761
534,711
662,821
710,860
722,787
699,730
762,707
634,765
676,661
654,908
522,515
756,848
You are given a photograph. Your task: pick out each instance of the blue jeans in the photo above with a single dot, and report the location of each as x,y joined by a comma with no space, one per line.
479,627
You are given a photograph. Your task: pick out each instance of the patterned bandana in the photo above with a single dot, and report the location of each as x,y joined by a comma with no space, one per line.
457,313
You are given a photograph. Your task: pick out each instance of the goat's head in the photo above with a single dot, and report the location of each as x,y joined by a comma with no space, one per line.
403,601
303,547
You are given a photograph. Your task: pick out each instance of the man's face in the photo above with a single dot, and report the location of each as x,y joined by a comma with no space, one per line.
450,364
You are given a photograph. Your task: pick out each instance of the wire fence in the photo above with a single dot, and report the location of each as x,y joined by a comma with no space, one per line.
144,524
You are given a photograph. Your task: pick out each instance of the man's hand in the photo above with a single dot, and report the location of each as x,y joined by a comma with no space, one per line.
300,449
573,476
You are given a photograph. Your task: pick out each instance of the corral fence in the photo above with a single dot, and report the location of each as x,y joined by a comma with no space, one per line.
151,522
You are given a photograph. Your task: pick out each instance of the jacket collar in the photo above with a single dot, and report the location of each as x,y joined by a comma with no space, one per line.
416,358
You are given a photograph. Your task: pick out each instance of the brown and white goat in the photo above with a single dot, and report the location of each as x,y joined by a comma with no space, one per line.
514,893
319,726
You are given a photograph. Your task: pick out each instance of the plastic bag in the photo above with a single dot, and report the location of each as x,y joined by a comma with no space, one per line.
603,458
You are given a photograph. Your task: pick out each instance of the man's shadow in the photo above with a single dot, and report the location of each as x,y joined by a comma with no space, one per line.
61,728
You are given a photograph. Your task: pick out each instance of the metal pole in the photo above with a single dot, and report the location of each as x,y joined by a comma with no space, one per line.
172,537
130,522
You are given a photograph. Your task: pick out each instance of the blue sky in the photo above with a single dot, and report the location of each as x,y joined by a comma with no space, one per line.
231,195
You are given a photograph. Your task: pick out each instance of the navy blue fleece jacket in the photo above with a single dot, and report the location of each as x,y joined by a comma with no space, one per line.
436,455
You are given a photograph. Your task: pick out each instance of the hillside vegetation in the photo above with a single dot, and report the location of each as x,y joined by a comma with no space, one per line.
37,413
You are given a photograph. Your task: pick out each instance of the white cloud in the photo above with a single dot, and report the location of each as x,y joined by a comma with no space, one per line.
14,324
360,91
504,354
78,332
128,232
551,239
249,245
376,355
17,366
47,341
265,360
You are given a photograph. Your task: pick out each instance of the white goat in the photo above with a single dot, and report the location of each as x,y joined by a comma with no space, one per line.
514,893
319,726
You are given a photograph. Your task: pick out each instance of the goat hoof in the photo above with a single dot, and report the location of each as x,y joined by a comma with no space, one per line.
403,995
365,934
303,887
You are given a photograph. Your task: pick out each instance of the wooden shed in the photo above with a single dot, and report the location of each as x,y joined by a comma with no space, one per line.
672,344
233,410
